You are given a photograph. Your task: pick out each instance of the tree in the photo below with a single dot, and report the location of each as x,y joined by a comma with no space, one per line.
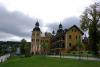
79,47
1,52
13,50
44,47
23,43
90,20
25,48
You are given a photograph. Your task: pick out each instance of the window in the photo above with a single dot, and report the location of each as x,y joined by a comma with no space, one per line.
76,37
37,34
72,30
37,40
33,34
32,39
69,36
46,40
75,30
69,44
41,41
79,37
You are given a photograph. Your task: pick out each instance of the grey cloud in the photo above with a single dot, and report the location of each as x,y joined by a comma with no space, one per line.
68,22
4,35
20,25
52,26
15,23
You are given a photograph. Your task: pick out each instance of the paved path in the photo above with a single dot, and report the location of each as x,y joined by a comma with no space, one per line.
76,57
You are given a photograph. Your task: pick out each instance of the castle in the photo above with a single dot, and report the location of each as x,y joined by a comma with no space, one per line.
61,42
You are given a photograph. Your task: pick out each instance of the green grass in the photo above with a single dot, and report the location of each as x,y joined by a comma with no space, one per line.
38,61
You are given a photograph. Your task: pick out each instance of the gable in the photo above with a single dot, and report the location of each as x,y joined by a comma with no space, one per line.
74,28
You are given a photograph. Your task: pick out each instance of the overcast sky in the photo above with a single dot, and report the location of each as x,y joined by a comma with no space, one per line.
17,17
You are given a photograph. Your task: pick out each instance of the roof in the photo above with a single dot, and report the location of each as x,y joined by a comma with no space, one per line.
77,29
60,25
43,35
37,23
36,29
60,31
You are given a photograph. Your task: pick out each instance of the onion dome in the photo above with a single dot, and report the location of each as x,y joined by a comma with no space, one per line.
37,24
66,30
60,26
60,30
36,27
53,32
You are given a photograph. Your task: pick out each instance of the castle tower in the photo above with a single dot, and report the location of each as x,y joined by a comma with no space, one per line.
60,26
36,39
53,32
60,30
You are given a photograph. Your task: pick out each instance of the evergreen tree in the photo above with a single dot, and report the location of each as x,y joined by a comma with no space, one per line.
22,47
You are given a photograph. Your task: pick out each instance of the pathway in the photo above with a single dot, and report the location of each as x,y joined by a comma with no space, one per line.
76,57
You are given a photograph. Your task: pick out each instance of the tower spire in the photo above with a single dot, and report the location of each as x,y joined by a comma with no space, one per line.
60,26
37,24
53,32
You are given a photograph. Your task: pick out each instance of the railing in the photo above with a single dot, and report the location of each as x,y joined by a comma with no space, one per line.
4,57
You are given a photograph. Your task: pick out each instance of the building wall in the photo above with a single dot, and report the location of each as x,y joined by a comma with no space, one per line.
36,40
71,38
61,43
47,41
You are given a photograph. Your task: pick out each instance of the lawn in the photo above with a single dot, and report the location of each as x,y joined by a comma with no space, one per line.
39,61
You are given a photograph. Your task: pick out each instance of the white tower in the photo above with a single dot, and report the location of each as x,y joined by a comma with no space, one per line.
36,39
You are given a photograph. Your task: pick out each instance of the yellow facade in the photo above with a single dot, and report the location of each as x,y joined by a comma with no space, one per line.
67,41
72,36
45,40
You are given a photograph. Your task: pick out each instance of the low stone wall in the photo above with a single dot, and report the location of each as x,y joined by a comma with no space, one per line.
4,57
